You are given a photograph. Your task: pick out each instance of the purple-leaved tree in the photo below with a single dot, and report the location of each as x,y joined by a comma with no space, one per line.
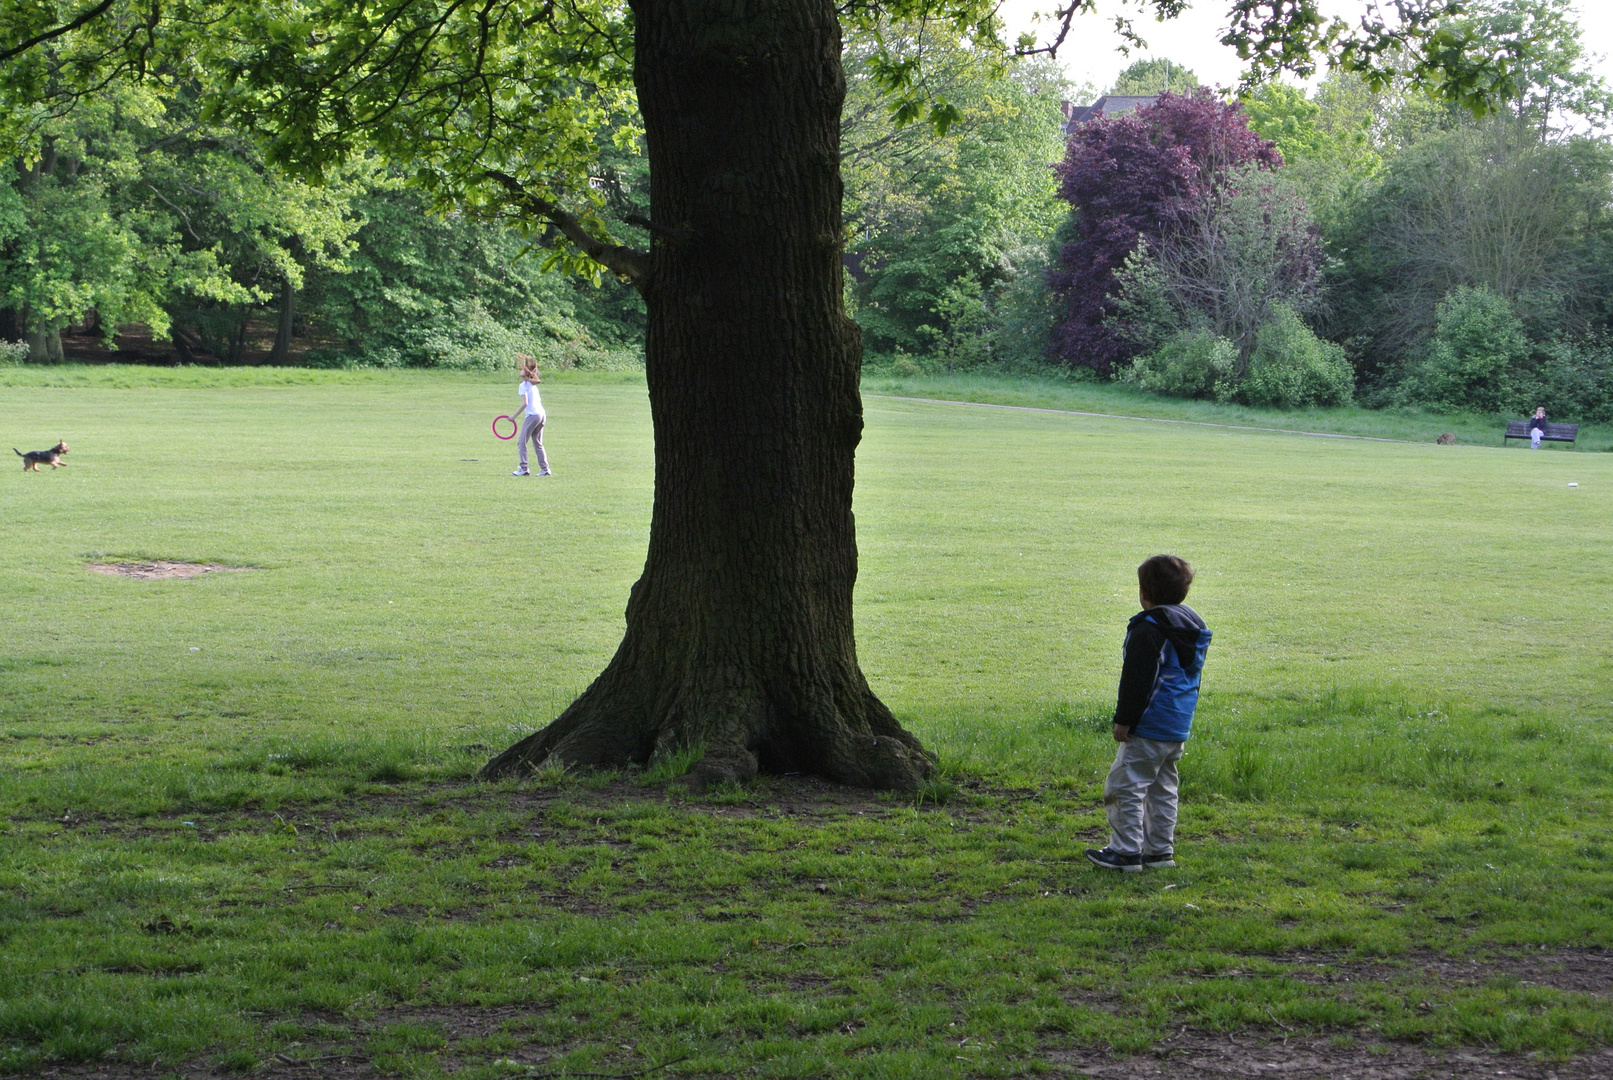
1136,175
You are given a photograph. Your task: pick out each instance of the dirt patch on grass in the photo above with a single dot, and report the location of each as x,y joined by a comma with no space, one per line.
1192,1055
1577,971
1187,1055
801,798
164,568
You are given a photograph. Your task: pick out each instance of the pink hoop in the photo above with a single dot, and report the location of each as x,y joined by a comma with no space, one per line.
514,427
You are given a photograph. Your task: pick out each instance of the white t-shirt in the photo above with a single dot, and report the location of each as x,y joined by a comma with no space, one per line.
529,394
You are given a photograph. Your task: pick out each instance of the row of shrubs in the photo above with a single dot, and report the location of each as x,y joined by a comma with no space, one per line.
1480,358
470,339
1289,367
1572,378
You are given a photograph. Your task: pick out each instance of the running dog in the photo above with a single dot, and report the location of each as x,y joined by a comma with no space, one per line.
33,459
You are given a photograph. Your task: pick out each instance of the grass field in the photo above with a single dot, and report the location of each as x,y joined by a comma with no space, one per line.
1090,395
239,828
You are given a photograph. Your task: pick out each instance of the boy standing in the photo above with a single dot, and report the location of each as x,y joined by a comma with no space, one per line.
1159,689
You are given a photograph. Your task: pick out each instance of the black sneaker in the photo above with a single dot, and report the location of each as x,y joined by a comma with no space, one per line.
1161,860
1115,860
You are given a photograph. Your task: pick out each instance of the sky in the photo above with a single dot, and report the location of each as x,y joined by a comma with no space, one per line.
1089,53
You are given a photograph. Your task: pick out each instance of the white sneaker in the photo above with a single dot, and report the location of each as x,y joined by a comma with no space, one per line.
523,472
546,473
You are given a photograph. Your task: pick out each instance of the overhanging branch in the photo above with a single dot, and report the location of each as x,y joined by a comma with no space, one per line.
630,263
1064,16
66,28
642,222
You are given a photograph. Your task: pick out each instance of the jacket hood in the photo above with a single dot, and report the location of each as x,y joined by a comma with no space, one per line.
1183,627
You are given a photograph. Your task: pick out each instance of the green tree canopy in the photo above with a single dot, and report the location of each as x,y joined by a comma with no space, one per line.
1482,205
509,107
935,221
1155,76
131,207
1550,84
1326,142
1514,205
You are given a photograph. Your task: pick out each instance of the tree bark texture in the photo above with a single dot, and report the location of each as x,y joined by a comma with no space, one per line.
285,326
739,633
44,344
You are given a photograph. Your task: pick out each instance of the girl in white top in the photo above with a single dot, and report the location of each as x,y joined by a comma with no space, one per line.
532,421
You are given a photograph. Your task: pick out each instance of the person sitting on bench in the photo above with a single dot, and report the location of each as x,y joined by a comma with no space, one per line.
1537,427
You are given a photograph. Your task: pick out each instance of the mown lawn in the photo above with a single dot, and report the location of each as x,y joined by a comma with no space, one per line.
1092,395
239,825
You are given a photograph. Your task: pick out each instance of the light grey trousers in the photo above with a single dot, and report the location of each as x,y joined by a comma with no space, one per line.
1140,797
532,428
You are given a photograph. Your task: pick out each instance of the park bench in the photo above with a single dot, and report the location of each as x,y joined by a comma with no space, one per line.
1519,429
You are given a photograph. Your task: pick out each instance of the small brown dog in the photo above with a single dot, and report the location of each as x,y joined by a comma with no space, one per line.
33,459
1446,439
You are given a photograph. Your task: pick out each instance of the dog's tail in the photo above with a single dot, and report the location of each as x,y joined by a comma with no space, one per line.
14,450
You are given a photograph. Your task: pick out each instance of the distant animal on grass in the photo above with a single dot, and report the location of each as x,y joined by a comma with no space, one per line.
1446,439
33,459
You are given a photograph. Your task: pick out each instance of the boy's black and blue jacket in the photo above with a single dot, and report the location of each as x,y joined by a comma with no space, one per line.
1159,680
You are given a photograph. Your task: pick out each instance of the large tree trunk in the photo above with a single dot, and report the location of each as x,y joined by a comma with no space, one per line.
739,634
280,355
235,344
44,344
38,345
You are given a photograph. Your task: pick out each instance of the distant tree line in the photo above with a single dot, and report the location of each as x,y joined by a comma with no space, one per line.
947,231
132,208
1294,249
1356,243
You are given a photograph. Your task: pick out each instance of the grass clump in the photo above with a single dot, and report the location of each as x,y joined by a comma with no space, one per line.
676,763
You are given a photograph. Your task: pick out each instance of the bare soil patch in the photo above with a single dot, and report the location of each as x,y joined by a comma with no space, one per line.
1198,1055
1188,1055
1578,971
805,798
135,344
164,568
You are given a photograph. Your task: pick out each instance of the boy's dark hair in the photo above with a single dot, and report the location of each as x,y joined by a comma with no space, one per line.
1165,579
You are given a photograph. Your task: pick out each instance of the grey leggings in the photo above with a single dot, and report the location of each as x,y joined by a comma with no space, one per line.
532,428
